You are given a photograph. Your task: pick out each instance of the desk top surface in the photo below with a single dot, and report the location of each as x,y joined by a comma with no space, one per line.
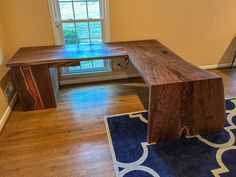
156,63
59,53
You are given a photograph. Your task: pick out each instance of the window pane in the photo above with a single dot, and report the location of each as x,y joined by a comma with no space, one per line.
95,29
98,64
86,64
66,11
80,10
96,41
82,30
84,41
69,33
74,68
94,9
70,41
91,66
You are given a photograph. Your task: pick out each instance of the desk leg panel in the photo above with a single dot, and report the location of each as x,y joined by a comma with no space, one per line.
34,86
164,112
193,108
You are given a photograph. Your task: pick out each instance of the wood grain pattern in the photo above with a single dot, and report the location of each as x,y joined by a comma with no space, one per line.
64,64
182,97
158,65
31,86
64,54
189,108
34,86
54,75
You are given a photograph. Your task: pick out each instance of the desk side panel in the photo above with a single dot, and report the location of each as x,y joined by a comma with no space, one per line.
34,86
191,108
55,82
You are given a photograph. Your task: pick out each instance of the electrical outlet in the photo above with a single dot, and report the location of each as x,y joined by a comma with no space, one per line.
11,89
116,65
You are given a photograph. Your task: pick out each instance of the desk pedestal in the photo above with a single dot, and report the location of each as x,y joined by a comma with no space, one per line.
193,108
37,86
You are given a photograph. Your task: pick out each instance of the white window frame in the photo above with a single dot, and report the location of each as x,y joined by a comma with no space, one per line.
57,22
58,30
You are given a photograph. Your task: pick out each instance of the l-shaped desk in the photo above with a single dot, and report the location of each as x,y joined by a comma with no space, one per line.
183,98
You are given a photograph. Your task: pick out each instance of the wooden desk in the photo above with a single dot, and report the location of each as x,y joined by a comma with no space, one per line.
183,98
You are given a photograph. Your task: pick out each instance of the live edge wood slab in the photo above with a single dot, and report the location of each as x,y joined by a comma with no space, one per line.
184,99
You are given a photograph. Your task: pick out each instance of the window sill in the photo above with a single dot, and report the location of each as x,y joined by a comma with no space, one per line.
86,73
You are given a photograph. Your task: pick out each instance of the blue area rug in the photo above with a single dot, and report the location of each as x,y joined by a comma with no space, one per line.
212,155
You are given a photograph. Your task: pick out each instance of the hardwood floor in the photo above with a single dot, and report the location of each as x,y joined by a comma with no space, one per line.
71,141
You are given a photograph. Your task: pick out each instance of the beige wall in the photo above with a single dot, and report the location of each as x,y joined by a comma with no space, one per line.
3,103
28,22
4,52
198,30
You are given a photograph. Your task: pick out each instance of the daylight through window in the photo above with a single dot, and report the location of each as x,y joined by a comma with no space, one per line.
82,22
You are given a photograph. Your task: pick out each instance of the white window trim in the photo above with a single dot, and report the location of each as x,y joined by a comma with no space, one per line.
57,27
58,31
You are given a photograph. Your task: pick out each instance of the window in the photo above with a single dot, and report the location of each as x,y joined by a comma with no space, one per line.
81,22
86,67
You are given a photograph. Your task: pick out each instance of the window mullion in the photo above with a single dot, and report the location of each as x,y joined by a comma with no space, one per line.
88,21
76,32
89,32
84,20
87,9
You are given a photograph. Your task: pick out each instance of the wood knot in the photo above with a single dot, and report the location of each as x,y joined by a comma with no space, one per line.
164,52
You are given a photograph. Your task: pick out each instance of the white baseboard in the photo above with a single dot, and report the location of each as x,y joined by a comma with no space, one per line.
97,79
6,114
225,65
